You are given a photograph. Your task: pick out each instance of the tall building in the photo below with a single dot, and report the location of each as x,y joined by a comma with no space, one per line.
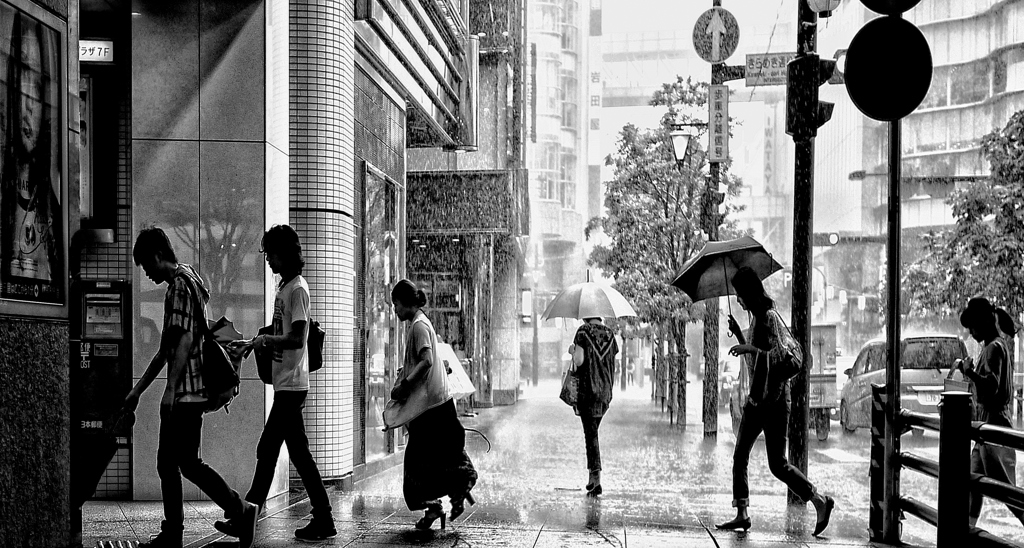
977,84
214,121
556,156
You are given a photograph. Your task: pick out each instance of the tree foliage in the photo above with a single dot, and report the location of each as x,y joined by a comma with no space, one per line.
653,220
983,253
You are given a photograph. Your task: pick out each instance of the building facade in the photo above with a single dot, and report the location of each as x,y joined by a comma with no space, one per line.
215,121
557,160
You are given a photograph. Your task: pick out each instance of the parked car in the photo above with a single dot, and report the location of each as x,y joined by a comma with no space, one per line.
925,360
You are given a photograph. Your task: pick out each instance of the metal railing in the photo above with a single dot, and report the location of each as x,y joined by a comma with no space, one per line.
953,469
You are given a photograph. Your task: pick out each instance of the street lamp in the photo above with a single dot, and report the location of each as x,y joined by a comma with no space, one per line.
823,8
681,137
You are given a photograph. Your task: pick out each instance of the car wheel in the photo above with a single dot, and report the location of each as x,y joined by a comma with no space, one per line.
844,418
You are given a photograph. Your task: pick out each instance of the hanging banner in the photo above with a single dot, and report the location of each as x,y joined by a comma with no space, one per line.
718,123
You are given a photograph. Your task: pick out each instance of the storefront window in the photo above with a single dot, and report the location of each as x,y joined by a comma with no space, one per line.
380,328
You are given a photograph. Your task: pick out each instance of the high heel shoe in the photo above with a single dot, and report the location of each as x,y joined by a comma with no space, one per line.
734,524
432,514
459,506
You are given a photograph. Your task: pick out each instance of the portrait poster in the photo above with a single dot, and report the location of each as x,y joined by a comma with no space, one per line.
31,163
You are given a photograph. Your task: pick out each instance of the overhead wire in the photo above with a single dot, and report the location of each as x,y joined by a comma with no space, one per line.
771,37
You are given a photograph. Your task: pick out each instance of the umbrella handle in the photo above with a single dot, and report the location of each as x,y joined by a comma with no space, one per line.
725,274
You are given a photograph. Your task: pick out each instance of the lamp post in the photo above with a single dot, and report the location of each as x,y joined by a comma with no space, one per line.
682,136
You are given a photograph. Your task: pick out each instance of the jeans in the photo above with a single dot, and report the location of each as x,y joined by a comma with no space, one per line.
590,426
181,432
772,418
285,425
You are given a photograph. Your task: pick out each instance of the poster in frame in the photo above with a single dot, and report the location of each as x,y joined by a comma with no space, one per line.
33,162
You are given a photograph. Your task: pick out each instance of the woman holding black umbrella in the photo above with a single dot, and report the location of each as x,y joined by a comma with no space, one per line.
767,407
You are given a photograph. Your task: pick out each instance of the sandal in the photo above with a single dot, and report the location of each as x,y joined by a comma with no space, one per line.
459,506
433,512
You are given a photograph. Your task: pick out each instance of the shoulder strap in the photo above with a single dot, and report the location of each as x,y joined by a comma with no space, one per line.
204,325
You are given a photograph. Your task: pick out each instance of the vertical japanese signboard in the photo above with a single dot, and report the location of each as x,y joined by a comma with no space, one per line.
718,123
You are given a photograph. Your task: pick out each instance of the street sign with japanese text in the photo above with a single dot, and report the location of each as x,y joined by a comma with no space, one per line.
718,123
767,69
95,51
716,35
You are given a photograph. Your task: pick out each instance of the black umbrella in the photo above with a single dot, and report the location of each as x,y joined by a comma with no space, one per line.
709,273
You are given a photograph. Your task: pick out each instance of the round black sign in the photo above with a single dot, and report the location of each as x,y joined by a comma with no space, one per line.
888,68
889,7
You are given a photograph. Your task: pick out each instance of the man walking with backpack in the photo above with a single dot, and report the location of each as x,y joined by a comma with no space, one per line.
184,399
290,375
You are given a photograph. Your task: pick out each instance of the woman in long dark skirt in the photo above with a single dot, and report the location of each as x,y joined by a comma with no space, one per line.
436,462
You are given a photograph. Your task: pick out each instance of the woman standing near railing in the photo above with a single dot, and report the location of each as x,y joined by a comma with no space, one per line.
993,386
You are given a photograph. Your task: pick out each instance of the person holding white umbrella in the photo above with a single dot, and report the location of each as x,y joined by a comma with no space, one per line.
593,353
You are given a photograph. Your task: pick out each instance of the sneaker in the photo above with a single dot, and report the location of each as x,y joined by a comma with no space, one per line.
317,529
246,524
163,540
228,527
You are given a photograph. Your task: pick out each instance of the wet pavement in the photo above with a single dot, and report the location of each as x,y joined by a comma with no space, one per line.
663,486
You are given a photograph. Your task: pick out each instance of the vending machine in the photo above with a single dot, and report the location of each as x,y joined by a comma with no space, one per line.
101,374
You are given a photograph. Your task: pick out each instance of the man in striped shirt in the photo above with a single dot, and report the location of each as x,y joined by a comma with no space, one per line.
184,397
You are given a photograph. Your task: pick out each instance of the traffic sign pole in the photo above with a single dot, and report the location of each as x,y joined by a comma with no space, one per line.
803,221
715,36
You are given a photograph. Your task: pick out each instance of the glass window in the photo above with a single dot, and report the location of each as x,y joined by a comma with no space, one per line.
969,83
932,353
380,325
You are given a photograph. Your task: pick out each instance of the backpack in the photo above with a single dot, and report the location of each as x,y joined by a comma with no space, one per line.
792,363
314,351
315,345
219,372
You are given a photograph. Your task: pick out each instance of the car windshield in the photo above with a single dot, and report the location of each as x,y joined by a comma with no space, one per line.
931,353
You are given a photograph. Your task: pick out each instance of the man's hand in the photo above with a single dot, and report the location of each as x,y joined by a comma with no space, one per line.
167,402
131,402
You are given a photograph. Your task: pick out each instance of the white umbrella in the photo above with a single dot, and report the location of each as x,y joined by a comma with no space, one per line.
588,300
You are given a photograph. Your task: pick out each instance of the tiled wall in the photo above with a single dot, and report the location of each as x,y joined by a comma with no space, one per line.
113,261
322,204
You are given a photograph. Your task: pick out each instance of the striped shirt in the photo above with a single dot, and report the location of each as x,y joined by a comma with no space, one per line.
180,311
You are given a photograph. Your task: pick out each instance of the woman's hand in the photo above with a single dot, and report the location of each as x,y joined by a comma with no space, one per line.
734,327
400,392
966,364
741,349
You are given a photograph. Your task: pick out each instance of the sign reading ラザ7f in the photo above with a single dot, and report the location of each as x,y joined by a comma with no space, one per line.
718,123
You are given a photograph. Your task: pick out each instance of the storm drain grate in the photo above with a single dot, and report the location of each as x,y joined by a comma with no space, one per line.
117,544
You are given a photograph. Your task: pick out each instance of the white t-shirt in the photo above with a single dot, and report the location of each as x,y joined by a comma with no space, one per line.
291,367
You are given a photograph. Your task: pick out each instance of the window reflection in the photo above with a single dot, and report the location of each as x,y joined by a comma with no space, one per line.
380,270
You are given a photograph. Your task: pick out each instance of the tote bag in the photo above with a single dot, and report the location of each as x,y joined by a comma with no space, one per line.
432,390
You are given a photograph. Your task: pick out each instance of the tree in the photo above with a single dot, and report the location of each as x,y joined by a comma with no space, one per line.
983,253
653,221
